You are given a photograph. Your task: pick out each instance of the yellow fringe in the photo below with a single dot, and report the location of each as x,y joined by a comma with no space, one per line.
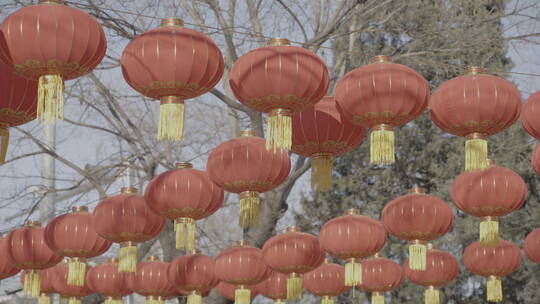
377,298
127,259
76,273
321,173
476,154
327,300
382,147
50,99
171,121
431,296
242,296
194,299
294,288
489,233
417,256
44,299
74,300
185,233
153,300
249,211
32,283
494,290
113,301
279,301
4,133
279,132
353,273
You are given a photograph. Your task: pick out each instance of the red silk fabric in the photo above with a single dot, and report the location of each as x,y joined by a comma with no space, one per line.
241,265
475,104
530,111
441,269
74,235
497,261
535,159
322,129
52,38
417,217
172,61
532,246
193,273
244,164
18,98
352,236
275,287
494,191
151,280
327,280
7,267
28,250
284,77
126,217
59,282
381,275
382,93
105,280
183,192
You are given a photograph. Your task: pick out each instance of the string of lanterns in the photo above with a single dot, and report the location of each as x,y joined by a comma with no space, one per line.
173,63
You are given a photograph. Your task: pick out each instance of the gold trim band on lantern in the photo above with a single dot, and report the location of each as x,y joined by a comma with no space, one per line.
293,229
281,112
129,190
33,224
79,209
474,70
417,190
171,100
243,243
247,133
382,127
173,21
476,135
380,59
352,211
50,2
247,194
279,42
183,165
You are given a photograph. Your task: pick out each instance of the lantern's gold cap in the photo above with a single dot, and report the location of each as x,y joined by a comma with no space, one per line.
430,246
474,70
172,22
352,211
491,162
50,2
293,229
129,190
112,261
195,251
380,59
79,209
246,133
243,243
152,258
183,165
33,224
279,42
417,190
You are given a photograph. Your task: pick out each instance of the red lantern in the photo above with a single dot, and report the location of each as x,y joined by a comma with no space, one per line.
352,237
279,79
532,246
126,219
28,250
475,106
193,275
488,194
321,133
7,267
59,281
52,43
529,115
381,96
441,269
417,218
46,287
228,291
17,103
379,276
241,266
327,281
74,235
293,253
172,63
243,165
184,195
492,263
150,281
275,287
106,280
535,159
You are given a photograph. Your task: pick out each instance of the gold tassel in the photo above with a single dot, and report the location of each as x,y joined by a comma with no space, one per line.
382,145
353,273
153,300
194,298
44,299
76,272
249,209
111,300
50,99
74,300
294,287
476,152
494,289
185,233
417,256
431,296
32,283
321,172
242,295
327,300
279,301
127,257
4,133
377,298
279,130
171,119
489,232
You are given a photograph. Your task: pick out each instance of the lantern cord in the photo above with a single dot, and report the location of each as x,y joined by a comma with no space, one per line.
377,298
242,295
194,299
431,296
